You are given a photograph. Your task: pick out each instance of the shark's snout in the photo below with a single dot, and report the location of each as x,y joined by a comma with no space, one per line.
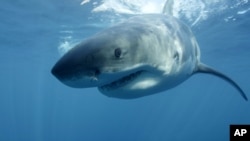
77,77
76,71
62,72
55,71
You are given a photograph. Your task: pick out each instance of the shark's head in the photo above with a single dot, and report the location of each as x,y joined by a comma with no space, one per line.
110,60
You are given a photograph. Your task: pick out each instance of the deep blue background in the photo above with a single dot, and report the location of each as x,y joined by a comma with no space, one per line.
34,106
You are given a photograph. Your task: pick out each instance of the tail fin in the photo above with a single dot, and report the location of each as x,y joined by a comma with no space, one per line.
202,68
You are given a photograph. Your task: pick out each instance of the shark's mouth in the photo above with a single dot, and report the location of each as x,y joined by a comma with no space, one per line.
121,82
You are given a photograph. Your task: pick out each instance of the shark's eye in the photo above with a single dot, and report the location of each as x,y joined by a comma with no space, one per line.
118,52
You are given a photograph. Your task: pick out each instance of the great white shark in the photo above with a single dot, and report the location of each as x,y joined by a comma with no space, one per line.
141,56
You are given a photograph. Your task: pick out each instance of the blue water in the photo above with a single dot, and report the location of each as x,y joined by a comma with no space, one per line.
35,106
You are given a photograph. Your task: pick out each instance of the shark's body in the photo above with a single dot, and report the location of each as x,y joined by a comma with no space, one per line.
144,55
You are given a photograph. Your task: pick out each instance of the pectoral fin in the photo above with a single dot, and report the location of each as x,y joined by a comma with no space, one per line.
202,68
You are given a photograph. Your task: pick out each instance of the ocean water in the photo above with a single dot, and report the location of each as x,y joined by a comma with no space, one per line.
35,106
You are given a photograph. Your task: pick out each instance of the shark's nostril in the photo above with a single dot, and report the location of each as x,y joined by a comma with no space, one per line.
93,72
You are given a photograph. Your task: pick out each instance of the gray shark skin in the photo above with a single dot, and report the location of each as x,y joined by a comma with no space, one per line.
144,55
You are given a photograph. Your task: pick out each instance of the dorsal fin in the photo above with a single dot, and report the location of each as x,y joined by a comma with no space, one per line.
168,7
202,68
